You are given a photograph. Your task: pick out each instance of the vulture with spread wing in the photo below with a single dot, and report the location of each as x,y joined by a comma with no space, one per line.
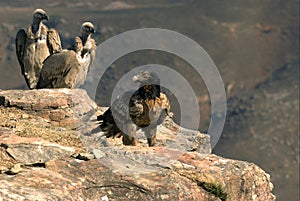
34,45
66,69
145,108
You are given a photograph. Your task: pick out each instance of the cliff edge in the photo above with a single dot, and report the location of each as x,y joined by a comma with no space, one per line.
51,149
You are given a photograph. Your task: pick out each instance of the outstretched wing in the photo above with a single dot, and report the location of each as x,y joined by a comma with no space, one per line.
20,47
53,41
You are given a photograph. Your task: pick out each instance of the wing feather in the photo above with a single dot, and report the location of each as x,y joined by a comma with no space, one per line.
20,47
92,53
20,42
55,69
53,41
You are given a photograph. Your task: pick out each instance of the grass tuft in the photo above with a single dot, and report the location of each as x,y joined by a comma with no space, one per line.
215,189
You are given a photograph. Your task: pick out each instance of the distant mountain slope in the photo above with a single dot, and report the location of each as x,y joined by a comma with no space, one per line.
262,127
247,41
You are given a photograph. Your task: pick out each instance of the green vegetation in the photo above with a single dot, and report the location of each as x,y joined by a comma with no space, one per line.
215,189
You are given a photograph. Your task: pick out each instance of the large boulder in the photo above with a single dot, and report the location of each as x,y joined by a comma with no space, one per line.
62,107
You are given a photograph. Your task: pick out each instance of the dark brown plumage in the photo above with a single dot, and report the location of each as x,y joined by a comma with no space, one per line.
145,108
34,45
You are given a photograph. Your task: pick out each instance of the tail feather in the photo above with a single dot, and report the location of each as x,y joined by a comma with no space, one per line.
108,125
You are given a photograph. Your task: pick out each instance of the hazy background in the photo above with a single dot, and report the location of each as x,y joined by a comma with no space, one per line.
254,44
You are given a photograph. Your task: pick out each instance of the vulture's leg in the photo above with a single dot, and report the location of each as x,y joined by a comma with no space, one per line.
129,137
150,133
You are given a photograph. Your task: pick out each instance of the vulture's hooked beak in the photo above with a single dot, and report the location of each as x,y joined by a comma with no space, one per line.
45,17
92,30
135,78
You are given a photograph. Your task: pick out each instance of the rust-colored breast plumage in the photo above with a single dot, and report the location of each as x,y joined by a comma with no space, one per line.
152,110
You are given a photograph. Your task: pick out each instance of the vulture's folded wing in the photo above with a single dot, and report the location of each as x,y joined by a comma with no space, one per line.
55,69
20,47
53,41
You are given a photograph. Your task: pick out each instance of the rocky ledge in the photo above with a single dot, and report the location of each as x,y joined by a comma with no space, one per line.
51,149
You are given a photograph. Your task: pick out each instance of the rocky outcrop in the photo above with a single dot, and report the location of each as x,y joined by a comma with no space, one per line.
43,160
189,178
29,151
61,107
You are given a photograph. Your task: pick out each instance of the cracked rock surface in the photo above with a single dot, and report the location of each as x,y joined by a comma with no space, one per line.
41,160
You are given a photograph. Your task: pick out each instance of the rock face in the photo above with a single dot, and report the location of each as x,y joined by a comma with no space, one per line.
43,160
33,150
61,107
210,178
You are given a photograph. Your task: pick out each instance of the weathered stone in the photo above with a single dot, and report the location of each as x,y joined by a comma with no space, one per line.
57,115
54,123
184,139
83,156
6,161
239,180
92,180
45,114
179,167
25,116
69,123
14,170
201,143
5,131
35,126
60,105
33,150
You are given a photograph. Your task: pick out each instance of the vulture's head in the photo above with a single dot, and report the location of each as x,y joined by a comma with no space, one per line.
40,14
87,28
146,77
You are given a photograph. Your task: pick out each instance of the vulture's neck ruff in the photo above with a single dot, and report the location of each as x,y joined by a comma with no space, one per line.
87,29
38,16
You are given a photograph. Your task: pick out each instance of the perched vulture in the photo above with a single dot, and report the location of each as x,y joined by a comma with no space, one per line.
89,44
66,69
145,108
34,45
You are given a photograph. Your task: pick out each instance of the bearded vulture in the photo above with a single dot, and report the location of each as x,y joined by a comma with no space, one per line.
89,44
66,69
34,45
145,108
